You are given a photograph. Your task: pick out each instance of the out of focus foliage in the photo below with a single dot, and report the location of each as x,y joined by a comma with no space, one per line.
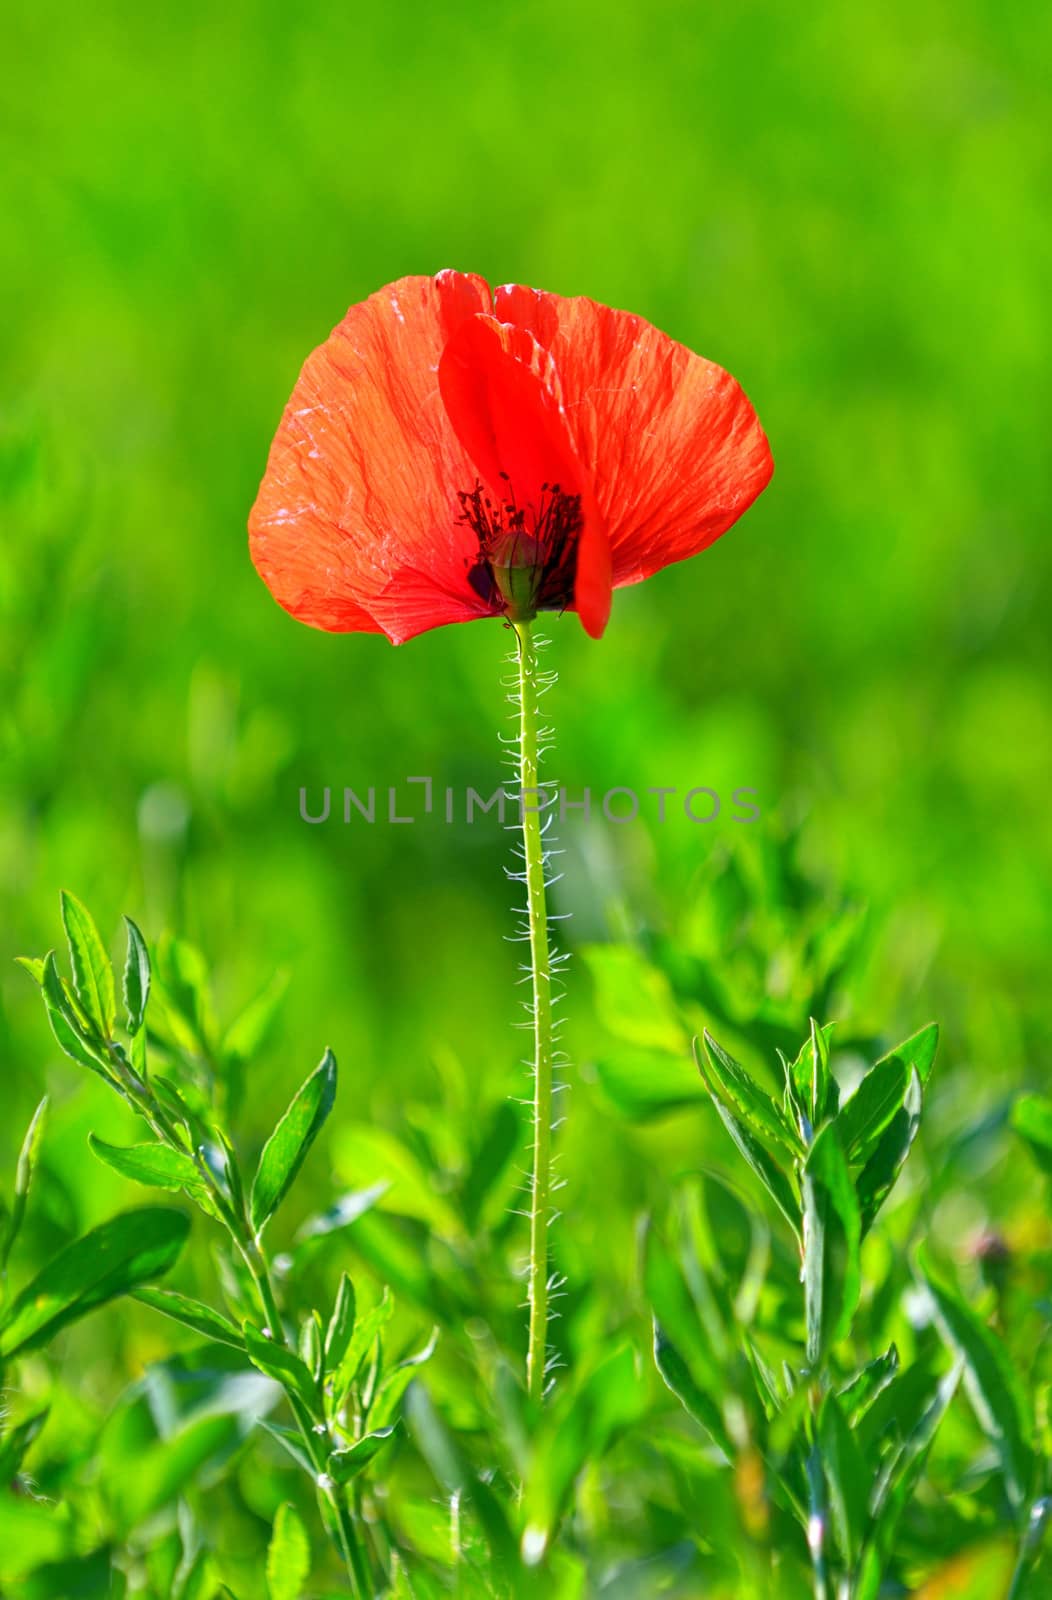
847,208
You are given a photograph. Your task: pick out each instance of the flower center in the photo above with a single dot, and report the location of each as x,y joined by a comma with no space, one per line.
527,557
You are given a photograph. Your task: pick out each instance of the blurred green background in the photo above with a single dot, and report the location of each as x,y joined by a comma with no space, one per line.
848,207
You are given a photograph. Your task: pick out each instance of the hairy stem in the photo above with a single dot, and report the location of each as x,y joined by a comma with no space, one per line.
540,966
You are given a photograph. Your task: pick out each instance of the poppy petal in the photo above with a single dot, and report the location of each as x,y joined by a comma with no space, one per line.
360,491
672,444
502,394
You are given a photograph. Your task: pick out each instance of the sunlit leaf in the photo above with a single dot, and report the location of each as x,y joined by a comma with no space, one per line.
677,1376
989,1380
110,1260
288,1556
192,1314
286,1149
832,1234
136,977
92,973
346,1464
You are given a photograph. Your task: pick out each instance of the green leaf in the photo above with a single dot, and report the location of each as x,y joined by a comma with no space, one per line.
753,1105
156,1165
287,1147
918,1052
813,1086
832,1234
66,1025
192,1314
343,1465
112,1259
17,1441
859,1394
397,1382
92,973
34,965
288,1558
989,1380
159,1473
1032,1120
27,1162
136,977
863,1118
877,1178
677,1377
277,1361
341,1324
847,1478
439,1449
900,1473
777,1183
365,1334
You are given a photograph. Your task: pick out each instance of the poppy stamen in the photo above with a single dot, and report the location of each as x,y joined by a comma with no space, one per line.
527,557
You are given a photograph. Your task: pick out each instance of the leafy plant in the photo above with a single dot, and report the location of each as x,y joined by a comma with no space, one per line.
343,1400
828,1439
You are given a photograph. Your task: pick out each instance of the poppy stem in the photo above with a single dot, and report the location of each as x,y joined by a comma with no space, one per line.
531,803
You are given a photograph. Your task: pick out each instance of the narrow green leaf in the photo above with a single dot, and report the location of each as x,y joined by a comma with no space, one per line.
1032,1120
366,1331
677,1377
66,1025
897,1479
864,1116
847,1478
918,1052
989,1380
288,1557
136,977
341,1324
859,1394
277,1361
34,965
192,1314
16,1443
310,1344
397,1382
112,1259
812,1084
156,1165
777,1183
92,973
878,1177
343,1465
287,1147
753,1105
832,1234
27,1162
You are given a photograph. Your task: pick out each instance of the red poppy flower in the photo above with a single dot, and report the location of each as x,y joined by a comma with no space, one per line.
453,452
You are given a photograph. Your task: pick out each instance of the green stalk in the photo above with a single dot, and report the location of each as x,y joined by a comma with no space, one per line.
540,966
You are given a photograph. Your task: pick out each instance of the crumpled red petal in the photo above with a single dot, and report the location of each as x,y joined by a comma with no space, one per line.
675,449
355,525
502,394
